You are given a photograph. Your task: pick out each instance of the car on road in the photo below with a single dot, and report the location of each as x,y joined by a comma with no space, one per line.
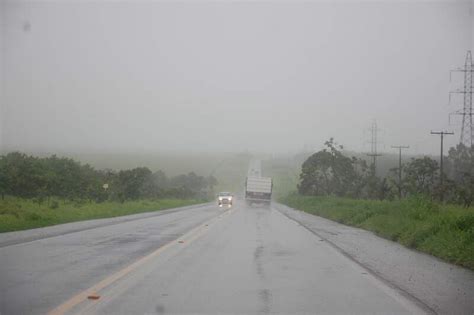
225,198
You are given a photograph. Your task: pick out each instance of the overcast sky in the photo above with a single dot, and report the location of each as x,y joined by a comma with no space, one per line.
209,76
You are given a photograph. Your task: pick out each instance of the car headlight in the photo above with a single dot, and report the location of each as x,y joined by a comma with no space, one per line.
230,198
220,198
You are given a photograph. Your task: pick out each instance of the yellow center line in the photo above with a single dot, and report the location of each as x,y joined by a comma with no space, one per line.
83,296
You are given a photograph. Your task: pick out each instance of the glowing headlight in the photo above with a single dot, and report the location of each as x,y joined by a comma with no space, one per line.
230,198
220,198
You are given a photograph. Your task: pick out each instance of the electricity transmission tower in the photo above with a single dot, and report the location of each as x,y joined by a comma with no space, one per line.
373,145
467,130
400,147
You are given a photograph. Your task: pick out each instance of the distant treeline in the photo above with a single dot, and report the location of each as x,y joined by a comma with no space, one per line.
28,176
330,172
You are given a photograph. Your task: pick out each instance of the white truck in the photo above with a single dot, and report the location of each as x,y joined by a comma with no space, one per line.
258,189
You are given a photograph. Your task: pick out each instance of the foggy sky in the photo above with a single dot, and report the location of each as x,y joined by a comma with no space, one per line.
209,76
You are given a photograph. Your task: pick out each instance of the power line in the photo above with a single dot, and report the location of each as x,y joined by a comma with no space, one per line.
467,128
400,147
442,134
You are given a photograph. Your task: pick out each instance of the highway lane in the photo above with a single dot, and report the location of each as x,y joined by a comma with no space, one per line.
38,275
248,260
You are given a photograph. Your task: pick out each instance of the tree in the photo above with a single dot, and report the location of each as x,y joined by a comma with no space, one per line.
189,185
420,176
21,175
129,183
316,174
394,183
91,184
3,177
461,163
328,172
41,178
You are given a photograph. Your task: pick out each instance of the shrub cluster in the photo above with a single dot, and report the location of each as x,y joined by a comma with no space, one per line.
40,179
330,173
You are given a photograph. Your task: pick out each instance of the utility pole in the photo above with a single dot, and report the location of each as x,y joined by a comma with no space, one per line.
442,134
400,147
373,145
467,129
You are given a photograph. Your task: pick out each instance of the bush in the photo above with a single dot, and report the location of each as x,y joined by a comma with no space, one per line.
466,223
31,177
33,216
54,204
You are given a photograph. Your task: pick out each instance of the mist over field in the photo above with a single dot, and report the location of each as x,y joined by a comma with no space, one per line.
275,77
200,156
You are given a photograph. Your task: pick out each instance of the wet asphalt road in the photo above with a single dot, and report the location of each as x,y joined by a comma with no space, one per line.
36,276
245,260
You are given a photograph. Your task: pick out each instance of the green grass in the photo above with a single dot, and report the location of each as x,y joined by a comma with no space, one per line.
445,231
19,214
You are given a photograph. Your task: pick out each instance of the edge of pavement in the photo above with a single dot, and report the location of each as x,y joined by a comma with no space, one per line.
108,288
26,236
437,286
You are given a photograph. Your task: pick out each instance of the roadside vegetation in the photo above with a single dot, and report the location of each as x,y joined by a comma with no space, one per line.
420,211
21,214
330,172
37,192
228,168
445,231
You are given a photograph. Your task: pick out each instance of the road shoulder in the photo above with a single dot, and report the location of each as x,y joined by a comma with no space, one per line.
443,287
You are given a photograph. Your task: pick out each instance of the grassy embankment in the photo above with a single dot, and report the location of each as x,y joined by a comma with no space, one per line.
445,231
229,169
19,214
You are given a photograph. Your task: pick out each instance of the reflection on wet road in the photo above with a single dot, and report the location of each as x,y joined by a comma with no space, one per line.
250,260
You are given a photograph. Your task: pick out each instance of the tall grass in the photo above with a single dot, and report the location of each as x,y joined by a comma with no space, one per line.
20,214
445,231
